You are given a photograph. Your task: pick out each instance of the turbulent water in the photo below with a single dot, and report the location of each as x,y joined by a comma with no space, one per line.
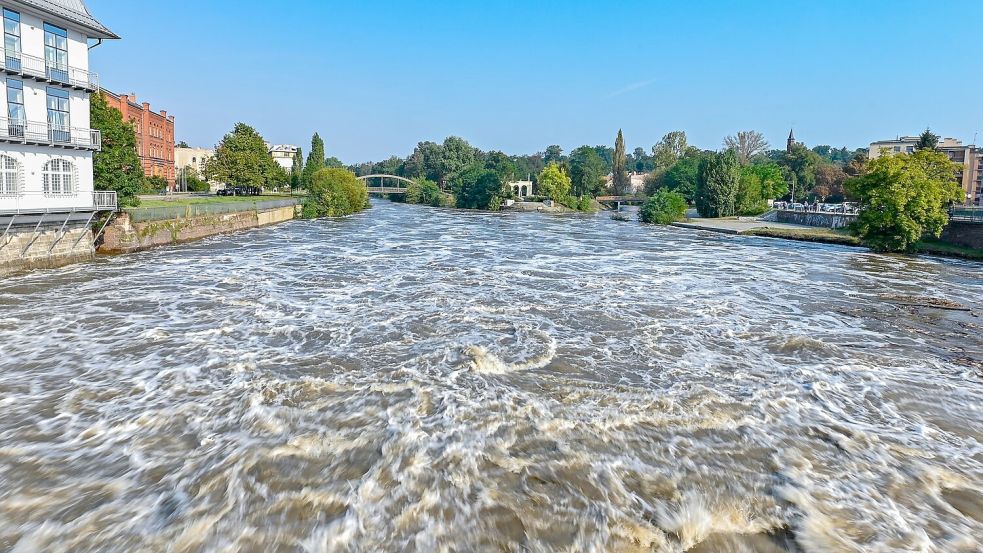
417,380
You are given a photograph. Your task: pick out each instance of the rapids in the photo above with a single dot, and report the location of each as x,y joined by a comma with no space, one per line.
420,380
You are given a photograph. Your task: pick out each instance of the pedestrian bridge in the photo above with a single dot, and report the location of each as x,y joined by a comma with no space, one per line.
385,184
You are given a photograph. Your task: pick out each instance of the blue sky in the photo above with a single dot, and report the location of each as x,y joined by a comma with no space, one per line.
374,77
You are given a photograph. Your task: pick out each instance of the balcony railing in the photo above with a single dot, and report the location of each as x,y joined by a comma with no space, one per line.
32,201
41,69
48,134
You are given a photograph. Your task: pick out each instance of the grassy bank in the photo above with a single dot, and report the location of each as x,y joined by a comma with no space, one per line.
191,200
937,247
824,235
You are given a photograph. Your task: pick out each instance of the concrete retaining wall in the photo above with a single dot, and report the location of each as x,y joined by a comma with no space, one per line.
123,235
23,249
969,235
814,219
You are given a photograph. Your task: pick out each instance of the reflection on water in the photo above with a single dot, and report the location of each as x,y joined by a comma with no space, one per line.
419,380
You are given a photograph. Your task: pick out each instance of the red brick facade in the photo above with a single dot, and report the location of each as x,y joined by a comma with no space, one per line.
155,135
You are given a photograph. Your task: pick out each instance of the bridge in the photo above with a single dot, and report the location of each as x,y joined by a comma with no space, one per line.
397,186
618,201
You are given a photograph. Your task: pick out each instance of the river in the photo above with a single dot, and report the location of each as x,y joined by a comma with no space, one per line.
420,380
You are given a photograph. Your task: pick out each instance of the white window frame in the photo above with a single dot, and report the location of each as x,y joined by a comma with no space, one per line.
10,176
65,176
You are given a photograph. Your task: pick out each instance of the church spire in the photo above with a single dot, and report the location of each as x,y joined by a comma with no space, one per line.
791,140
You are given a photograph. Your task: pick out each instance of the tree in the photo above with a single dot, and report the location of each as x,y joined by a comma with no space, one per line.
182,144
620,182
681,177
928,141
829,182
903,198
457,154
241,159
758,184
746,145
663,208
669,149
315,160
335,163
425,192
333,193
424,161
297,170
189,177
116,166
553,154
717,184
502,165
554,183
586,172
799,165
477,188
857,164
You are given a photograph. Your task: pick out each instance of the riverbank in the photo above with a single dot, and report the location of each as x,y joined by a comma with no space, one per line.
802,233
140,228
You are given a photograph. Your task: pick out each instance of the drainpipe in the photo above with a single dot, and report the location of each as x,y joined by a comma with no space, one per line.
98,43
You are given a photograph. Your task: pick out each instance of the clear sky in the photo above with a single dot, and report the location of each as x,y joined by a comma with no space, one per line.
374,77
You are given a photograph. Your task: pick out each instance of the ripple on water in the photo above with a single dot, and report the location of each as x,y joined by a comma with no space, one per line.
411,379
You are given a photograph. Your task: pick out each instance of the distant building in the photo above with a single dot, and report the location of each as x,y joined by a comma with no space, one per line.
283,155
521,188
155,135
969,157
193,157
636,182
790,143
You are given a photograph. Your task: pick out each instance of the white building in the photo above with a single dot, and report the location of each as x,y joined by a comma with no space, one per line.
46,143
521,188
283,155
192,157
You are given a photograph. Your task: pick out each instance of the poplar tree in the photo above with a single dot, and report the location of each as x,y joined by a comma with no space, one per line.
315,160
297,171
620,181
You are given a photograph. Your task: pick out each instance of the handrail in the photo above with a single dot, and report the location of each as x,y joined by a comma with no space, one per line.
39,68
36,132
35,201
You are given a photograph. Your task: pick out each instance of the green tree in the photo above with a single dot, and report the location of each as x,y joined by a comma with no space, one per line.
477,188
553,154
799,165
670,149
425,161
502,165
182,144
297,170
758,184
116,166
188,177
554,183
682,177
315,160
586,172
928,141
717,184
663,207
903,198
425,192
334,192
456,155
620,183
241,159
335,163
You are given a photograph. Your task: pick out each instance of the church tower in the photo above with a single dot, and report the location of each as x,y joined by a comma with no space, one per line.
791,141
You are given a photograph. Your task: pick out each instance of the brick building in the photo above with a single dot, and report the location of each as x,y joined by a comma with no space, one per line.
155,135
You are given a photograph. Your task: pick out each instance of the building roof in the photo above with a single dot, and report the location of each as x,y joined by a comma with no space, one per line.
73,11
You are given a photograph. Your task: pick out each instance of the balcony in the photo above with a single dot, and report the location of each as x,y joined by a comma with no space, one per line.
19,63
47,134
36,202
104,200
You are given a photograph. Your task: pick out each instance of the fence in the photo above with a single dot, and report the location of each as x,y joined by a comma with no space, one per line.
966,214
187,211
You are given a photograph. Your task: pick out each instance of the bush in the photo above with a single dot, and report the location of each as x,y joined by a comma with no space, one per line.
663,208
334,193
153,185
424,192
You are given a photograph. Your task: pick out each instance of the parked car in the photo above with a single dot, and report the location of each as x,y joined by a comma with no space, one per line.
240,191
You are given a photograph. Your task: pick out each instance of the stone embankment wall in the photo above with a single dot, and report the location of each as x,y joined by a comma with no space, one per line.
24,249
125,234
816,219
966,234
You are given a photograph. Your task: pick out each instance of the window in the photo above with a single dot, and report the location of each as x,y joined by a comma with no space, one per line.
59,123
56,52
9,175
15,108
11,39
910,149
59,177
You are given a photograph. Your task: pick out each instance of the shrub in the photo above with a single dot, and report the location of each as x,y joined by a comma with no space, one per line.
334,192
425,192
663,208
